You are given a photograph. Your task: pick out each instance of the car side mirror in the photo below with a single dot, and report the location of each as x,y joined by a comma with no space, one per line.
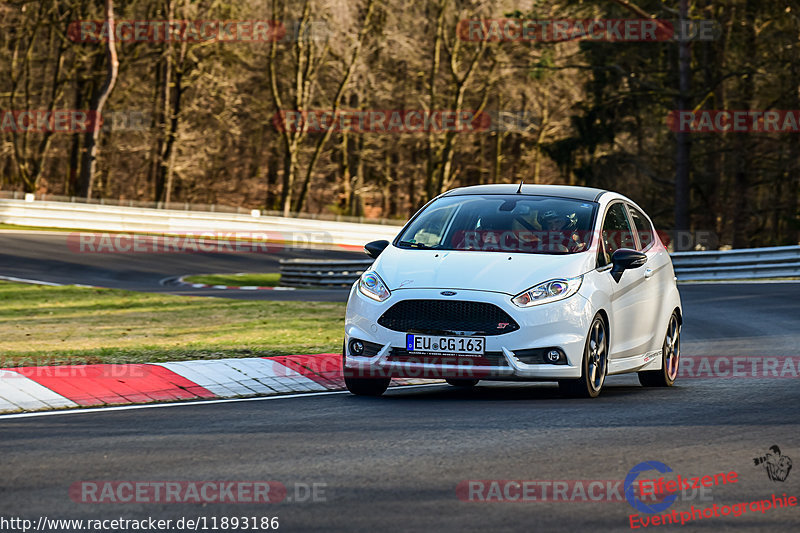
624,259
374,248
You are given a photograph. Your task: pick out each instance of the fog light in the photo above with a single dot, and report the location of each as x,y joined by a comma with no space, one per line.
553,356
356,347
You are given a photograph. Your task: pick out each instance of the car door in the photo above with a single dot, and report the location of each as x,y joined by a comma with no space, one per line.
630,315
658,277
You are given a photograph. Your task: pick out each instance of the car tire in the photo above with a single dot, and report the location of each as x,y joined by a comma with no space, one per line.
594,366
463,382
367,386
670,358
364,386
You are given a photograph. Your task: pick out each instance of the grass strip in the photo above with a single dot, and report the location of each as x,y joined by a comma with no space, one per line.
42,325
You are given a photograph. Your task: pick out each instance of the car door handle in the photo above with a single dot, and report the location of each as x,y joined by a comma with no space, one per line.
648,273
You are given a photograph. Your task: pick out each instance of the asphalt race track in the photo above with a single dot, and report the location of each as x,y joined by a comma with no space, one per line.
46,256
394,463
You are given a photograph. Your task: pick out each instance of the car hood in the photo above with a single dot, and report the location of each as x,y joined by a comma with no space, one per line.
509,273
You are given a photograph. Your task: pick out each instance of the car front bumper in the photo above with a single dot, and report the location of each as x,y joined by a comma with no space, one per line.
562,324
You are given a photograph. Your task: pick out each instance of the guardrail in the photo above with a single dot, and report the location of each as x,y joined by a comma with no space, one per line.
321,273
753,263
296,232
186,206
750,263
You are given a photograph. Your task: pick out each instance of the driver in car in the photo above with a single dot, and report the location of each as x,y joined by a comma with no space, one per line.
561,232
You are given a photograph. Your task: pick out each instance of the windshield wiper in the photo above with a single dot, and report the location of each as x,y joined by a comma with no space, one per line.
410,244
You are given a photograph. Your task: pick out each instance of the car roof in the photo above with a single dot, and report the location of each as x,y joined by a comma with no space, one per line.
587,194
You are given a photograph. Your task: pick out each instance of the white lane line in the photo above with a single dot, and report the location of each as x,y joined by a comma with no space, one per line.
189,403
31,281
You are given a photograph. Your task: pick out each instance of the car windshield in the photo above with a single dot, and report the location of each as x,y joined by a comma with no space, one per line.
502,223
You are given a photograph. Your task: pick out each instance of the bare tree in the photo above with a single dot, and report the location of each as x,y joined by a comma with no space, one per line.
89,161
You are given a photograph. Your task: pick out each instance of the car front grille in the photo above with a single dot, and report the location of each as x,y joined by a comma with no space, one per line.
442,317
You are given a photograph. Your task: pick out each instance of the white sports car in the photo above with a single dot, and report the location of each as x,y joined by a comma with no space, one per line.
516,283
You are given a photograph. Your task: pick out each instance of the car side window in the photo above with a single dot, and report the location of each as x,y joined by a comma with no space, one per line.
432,233
643,228
616,234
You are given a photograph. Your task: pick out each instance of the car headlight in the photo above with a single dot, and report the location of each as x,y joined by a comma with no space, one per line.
372,286
549,291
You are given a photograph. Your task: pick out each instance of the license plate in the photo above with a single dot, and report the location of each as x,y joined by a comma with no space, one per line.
435,344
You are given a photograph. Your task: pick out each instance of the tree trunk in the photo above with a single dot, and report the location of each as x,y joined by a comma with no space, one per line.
89,162
347,184
742,152
289,172
47,137
164,114
71,185
273,159
792,173
337,99
540,135
393,178
169,152
498,148
684,143
432,163
412,196
356,200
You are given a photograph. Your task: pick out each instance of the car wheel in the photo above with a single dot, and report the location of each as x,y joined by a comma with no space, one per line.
594,366
462,382
367,386
670,358
364,386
